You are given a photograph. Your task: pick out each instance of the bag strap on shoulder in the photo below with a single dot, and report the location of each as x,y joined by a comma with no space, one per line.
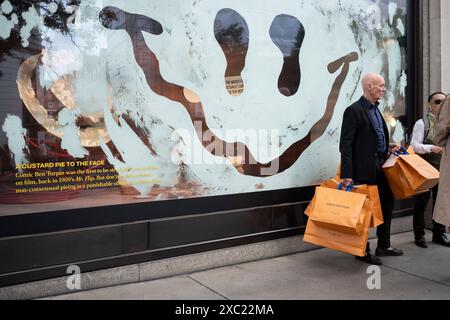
426,128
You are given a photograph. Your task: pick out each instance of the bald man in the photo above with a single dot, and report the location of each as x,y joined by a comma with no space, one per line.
364,147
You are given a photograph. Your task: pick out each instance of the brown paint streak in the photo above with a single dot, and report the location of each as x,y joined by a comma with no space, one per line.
142,134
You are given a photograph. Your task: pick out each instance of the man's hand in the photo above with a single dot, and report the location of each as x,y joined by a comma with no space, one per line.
393,147
437,150
347,182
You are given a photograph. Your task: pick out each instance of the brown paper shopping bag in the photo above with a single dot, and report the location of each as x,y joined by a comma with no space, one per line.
374,199
370,191
332,184
398,173
339,210
337,240
398,183
418,172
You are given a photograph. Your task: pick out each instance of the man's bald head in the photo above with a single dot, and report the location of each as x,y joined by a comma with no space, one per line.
370,79
373,86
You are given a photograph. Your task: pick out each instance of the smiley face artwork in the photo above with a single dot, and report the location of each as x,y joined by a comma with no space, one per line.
227,96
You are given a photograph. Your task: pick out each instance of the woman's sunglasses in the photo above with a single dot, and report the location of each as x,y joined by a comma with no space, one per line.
437,102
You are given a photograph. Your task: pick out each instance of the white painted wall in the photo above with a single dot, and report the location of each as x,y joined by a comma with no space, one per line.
439,45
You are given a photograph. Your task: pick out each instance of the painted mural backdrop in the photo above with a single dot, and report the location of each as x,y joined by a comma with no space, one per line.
113,101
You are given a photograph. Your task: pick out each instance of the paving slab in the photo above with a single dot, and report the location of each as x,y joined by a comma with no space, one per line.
316,275
421,274
431,263
176,288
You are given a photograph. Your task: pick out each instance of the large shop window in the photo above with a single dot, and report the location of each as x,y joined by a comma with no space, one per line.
113,102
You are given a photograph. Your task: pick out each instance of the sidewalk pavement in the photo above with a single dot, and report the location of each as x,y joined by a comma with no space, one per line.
319,274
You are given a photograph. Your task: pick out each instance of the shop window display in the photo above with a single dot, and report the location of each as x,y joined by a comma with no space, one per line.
111,102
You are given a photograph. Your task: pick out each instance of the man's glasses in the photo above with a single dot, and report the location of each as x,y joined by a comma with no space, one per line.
437,102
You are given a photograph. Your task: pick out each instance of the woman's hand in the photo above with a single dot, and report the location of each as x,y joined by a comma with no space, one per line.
437,150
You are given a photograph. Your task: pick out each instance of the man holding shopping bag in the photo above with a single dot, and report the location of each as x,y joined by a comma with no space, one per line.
364,147
422,142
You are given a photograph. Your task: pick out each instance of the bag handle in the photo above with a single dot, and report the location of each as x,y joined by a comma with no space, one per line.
401,152
349,188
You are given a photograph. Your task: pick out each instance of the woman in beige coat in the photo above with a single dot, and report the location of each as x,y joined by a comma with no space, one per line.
442,209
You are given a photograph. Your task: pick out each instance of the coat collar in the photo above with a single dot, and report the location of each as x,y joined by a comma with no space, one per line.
366,106
366,103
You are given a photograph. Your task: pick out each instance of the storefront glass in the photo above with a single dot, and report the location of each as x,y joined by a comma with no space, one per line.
109,102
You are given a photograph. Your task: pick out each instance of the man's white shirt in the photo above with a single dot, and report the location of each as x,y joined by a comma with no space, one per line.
418,137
